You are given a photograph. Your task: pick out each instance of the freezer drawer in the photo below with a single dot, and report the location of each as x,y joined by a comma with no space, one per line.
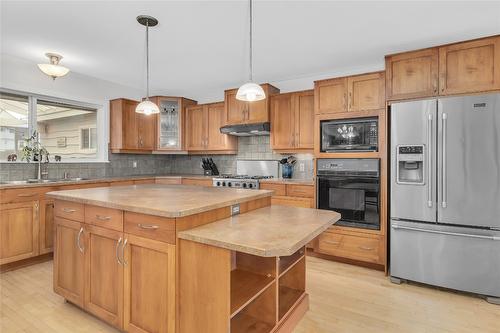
452,257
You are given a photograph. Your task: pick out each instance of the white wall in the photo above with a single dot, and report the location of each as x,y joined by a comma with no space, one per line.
21,75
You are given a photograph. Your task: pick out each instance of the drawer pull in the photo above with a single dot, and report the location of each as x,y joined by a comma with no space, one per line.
69,210
103,218
366,248
26,195
148,226
331,242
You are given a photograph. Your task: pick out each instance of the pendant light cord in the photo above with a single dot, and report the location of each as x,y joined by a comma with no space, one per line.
251,42
147,60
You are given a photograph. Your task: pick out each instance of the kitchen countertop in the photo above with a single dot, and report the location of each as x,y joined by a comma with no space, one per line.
291,181
267,232
100,180
161,200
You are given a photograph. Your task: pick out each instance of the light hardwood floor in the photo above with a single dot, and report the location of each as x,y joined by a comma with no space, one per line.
343,298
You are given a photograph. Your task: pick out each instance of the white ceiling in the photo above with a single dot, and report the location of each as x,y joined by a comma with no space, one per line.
203,45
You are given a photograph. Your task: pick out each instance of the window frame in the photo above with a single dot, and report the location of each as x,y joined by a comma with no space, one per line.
101,144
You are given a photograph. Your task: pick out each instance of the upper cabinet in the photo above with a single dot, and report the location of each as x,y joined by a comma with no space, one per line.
239,112
364,92
331,96
412,74
170,124
459,68
203,123
470,66
130,131
292,121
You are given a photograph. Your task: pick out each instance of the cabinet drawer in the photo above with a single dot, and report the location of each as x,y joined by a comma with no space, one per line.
148,226
305,191
293,201
279,189
20,195
348,246
104,217
70,210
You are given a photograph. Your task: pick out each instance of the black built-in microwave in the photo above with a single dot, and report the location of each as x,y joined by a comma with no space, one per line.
356,135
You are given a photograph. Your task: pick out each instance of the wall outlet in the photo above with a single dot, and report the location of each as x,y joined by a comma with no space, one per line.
302,167
134,164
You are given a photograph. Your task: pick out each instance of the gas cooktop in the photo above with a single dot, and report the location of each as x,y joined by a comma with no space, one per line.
239,181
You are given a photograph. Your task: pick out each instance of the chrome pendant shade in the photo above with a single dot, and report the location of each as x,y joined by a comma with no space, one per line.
53,69
250,92
146,106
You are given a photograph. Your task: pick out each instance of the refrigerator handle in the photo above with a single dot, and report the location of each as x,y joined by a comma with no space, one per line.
429,160
494,238
443,178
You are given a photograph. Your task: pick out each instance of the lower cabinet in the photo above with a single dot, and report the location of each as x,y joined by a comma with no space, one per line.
149,292
126,280
294,195
46,237
104,274
70,244
18,231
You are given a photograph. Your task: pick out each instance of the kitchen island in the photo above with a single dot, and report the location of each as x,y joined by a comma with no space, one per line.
177,258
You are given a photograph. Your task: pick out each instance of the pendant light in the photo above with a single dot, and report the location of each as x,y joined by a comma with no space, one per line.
146,106
54,70
250,91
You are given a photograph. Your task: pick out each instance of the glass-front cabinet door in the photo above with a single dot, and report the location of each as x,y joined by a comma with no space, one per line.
170,122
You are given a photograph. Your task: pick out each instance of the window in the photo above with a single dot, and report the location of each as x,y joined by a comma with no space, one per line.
68,130
13,125
88,138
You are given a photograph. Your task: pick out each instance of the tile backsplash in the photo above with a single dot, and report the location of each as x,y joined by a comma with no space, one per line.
251,148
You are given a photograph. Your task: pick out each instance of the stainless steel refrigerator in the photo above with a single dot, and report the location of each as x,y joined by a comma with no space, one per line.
445,193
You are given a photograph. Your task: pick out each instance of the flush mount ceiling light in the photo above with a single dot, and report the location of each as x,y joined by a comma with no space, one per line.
146,106
53,69
250,91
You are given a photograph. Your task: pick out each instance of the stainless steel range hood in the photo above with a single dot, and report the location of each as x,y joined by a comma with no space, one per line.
247,129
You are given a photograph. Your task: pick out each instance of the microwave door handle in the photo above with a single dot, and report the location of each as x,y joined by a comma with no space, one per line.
429,160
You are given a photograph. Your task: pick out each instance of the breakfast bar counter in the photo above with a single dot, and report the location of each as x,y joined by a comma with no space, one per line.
182,258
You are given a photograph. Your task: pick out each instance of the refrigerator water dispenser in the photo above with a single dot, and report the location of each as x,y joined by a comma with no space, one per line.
410,164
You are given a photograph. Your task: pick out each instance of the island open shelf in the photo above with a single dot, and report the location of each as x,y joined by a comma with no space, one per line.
292,286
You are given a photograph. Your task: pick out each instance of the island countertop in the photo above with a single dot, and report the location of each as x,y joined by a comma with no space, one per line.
267,232
161,200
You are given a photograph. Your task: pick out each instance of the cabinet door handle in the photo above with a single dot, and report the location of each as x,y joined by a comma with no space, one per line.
26,195
103,218
117,252
80,247
124,262
350,101
148,226
365,248
69,210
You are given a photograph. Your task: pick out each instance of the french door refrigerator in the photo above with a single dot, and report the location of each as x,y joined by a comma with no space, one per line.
445,193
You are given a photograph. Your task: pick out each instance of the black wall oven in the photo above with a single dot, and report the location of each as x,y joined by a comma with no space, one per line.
352,188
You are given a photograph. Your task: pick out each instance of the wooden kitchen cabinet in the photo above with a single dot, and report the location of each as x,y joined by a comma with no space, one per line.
470,66
239,112
287,194
330,96
366,92
171,129
69,267
412,74
203,123
130,131
19,227
46,218
104,274
149,286
292,121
